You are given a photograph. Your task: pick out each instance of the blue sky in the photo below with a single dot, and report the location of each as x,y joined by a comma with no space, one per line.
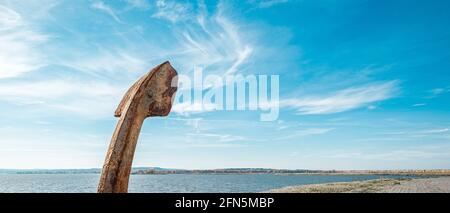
363,84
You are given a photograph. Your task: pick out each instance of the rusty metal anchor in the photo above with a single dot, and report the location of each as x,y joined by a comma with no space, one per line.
152,95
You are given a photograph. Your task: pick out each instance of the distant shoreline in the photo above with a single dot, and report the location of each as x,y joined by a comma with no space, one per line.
439,172
163,171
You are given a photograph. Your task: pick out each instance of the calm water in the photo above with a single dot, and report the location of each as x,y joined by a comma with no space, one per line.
169,183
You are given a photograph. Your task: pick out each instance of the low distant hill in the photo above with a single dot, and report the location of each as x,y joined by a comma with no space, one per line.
229,171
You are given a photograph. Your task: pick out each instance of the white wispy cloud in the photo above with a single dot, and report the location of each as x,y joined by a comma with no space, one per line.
210,145
99,5
108,62
9,18
394,155
217,137
419,104
343,100
267,3
419,132
433,93
23,151
209,40
172,10
84,98
194,124
202,139
211,140
434,131
187,108
305,132
18,44
139,4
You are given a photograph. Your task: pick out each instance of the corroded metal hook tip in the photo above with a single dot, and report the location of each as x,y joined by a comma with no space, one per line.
156,88
152,95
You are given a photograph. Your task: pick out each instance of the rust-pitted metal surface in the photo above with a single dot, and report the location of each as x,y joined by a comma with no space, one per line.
152,95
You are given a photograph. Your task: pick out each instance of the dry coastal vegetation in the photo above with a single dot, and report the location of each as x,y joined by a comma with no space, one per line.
341,187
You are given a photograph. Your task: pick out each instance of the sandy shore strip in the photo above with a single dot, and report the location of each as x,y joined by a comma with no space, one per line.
422,185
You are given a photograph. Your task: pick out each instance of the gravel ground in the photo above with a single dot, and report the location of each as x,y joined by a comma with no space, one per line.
423,185
427,185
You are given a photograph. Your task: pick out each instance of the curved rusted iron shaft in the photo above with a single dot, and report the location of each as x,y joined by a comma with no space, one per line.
151,95
117,168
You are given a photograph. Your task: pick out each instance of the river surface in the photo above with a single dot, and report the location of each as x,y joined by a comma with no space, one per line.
171,182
